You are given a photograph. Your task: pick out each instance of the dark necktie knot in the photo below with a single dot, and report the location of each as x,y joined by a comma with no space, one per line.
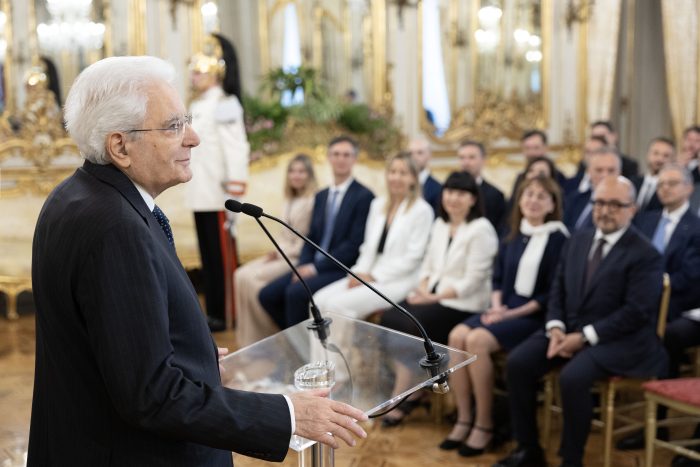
164,224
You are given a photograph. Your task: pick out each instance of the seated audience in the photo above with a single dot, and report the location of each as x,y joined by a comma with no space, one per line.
675,232
455,278
581,181
471,156
604,129
601,321
252,322
534,144
661,151
337,225
419,148
396,234
578,209
521,280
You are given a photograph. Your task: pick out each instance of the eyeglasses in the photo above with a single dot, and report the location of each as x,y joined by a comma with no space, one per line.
176,128
613,205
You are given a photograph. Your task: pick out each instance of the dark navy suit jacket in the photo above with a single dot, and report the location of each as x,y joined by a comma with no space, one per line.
621,302
681,259
494,204
348,231
432,189
126,369
574,204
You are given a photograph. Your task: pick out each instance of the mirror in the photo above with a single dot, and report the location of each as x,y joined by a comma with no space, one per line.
70,36
499,45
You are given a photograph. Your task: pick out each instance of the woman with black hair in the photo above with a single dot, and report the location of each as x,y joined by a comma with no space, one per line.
219,169
455,278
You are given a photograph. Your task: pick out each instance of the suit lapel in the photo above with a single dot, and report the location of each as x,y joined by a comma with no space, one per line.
679,234
580,260
614,256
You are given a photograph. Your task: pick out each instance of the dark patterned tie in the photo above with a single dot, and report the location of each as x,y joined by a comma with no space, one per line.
594,262
164,224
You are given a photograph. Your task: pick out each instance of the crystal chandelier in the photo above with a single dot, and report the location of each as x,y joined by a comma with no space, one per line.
70,27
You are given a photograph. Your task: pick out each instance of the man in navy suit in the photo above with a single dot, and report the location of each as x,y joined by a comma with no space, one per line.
581,181
419,148
675,232
578,210
661,151
337,225
601,321
471,156
127,372
604,129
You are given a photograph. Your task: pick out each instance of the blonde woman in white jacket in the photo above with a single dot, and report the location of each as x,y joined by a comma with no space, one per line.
455,278
396,234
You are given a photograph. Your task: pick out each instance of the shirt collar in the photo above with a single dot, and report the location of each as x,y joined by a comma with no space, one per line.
343,187
676,215
611,238
150,202
423,176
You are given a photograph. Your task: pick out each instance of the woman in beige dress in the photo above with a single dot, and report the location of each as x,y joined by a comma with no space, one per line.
252,322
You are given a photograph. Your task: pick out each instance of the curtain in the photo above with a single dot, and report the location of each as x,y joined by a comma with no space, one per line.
680,23
603,34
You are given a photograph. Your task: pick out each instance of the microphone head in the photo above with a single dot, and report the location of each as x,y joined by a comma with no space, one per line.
252,210
233,205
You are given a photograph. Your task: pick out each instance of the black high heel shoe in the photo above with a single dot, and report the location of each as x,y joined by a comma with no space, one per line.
467,451
450,444
405,409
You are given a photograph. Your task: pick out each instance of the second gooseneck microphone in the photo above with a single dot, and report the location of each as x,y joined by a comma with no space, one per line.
433,359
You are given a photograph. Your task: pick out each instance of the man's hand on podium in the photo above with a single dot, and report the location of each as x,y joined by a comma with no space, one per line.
321,419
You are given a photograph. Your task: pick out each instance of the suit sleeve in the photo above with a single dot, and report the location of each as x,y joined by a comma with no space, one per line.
233,143
688,275
548,267
123,288
479,258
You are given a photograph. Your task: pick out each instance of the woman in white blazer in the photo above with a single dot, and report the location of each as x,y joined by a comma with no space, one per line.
396,234
252,321
455,278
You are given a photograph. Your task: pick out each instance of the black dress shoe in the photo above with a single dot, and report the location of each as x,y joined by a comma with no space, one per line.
522,457
682,461
636,439
215,324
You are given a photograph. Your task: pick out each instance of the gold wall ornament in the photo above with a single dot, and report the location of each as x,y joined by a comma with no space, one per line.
8,106
578,11
493,117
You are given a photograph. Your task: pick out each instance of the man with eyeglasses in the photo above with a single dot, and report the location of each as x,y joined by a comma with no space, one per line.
126,368
600,322
675,232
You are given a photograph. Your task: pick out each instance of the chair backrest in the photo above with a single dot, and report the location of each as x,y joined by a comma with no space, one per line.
663,306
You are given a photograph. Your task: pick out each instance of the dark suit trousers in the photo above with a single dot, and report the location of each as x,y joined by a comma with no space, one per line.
209,236
527,364
287,302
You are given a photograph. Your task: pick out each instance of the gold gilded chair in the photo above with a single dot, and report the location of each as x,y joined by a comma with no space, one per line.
681,395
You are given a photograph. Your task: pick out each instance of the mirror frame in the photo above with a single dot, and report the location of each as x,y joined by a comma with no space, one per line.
478,133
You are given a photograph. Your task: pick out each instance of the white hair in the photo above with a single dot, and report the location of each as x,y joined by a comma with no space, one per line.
111,95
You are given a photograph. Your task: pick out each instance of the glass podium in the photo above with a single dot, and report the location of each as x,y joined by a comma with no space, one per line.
365,357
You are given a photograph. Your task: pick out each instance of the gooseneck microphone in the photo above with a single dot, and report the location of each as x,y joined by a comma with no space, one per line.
320,324
432,360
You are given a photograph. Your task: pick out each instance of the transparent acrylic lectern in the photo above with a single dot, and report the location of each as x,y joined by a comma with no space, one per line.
365,358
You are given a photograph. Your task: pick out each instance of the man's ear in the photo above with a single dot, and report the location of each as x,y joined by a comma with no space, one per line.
117,151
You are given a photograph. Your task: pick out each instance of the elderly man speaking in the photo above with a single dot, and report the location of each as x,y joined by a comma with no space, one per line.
126,369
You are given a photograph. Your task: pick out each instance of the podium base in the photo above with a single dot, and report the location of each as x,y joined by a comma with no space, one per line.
318,455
